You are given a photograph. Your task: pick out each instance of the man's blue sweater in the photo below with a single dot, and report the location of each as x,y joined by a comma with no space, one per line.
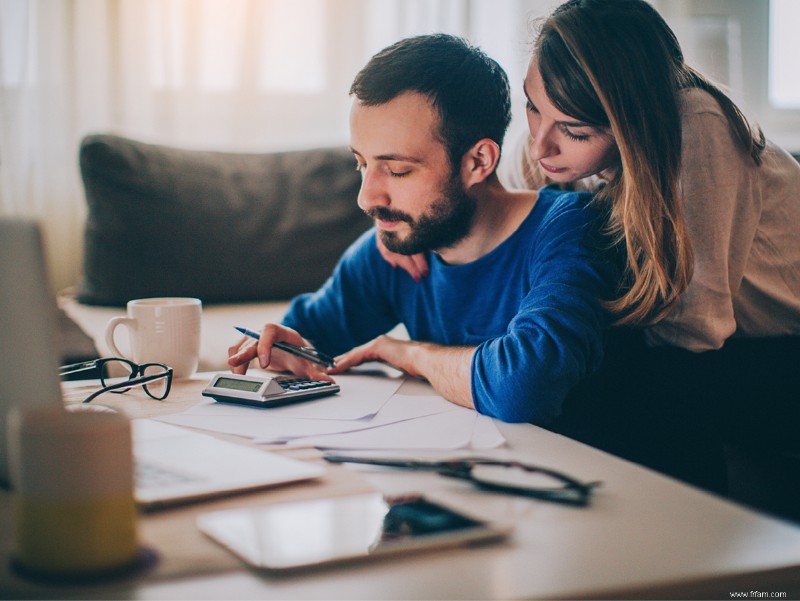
532,307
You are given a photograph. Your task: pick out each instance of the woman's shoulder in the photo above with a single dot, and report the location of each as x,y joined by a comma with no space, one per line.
707,133
701,115
697,101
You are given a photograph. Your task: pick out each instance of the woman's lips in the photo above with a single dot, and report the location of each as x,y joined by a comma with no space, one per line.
550,169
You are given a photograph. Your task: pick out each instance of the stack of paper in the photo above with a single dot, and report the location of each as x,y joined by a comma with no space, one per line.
368,413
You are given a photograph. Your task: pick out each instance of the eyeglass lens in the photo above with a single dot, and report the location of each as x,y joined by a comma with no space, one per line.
159,388
111,370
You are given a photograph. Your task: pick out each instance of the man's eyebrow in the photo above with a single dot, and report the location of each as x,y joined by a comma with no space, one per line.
391,157
398,157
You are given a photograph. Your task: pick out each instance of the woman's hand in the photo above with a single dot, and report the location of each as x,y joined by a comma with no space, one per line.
415,265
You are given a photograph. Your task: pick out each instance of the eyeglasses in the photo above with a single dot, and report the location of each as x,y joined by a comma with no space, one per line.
155,378
496,475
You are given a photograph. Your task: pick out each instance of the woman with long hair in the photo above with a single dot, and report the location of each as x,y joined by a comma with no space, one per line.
706,212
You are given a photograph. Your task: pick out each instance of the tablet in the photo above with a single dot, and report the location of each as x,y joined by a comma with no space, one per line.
302,534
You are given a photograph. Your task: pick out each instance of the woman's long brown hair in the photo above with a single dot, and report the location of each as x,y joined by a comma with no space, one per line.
617,65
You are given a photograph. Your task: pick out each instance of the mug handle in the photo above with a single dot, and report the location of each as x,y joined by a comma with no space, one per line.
110,327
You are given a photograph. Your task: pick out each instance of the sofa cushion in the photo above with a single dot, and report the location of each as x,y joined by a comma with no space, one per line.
223,227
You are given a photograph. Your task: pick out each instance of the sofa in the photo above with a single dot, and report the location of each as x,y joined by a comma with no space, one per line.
243,232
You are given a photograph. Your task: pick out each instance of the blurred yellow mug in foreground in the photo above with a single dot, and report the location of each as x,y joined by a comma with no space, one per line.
72,480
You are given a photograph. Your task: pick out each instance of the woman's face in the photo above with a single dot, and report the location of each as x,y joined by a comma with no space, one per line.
566,149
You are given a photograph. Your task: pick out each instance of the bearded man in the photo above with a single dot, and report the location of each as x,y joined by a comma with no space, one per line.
511,315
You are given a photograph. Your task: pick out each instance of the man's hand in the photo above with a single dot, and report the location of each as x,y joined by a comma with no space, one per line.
447,368
383,348
243,352
415,265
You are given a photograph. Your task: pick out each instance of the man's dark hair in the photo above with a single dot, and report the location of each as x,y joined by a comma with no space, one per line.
468,89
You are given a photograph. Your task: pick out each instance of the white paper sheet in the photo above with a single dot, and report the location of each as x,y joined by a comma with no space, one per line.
485,434
265,427
398,421
454,429
397,409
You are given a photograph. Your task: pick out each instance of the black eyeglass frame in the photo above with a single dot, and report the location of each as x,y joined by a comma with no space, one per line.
572,492
136,377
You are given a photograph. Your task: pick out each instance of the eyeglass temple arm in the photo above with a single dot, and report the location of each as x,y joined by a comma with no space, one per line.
126,384
397,463
68,369
461,468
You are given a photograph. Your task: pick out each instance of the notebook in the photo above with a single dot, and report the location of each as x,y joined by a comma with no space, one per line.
176,465
173,464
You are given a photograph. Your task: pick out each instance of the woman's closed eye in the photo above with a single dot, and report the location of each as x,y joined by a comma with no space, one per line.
572,135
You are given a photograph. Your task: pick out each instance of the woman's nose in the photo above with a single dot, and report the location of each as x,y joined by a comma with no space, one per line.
542,144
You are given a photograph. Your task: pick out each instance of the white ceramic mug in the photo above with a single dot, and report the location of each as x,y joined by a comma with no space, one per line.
162,330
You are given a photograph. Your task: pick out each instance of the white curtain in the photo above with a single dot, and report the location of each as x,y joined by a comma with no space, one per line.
238,75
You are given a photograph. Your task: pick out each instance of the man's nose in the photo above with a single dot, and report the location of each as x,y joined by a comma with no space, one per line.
372,192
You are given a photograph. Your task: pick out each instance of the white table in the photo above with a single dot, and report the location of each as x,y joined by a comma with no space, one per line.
643,536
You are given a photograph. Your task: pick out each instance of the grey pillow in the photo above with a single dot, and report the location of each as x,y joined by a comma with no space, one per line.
222,227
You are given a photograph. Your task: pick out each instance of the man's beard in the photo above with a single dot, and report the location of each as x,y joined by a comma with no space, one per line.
447,222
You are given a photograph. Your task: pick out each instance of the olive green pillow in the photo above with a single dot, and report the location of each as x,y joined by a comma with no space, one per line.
223,227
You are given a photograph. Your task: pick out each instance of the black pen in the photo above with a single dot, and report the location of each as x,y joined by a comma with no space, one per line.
305,352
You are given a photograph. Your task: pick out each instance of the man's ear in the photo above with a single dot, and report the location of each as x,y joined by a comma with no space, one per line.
479,162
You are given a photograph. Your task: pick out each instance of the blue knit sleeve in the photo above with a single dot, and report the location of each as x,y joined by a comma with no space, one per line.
556,339
352,307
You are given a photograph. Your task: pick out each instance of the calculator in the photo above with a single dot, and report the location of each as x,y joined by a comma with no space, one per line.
266,390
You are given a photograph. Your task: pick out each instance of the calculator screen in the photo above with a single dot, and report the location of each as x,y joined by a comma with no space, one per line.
234,384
